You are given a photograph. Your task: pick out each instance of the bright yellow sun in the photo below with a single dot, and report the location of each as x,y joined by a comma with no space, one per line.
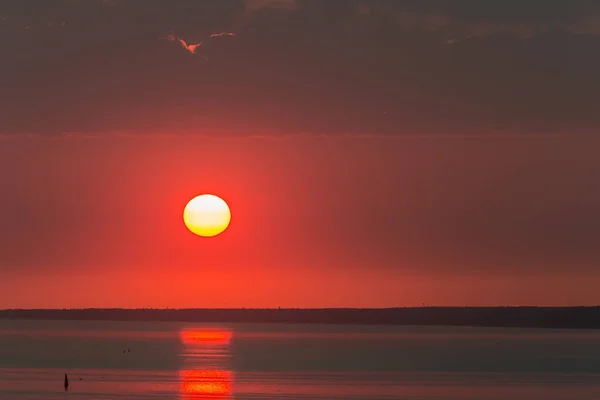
206,215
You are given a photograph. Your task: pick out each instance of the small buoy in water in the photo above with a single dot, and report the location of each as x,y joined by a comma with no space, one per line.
66,382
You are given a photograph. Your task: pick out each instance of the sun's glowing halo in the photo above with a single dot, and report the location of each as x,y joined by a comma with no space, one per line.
206,215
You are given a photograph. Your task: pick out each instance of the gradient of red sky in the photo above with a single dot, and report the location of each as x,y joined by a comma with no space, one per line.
316,221
448,155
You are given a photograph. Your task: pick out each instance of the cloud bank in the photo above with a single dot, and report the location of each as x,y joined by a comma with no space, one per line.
359,67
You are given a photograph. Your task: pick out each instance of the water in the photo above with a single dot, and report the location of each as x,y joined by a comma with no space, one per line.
145,360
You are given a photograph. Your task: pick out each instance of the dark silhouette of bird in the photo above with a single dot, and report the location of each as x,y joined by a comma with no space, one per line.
66,382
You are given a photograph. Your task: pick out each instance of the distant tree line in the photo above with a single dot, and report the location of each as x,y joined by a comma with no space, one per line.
534,317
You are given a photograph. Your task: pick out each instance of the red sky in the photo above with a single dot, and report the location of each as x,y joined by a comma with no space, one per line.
373,152
316,221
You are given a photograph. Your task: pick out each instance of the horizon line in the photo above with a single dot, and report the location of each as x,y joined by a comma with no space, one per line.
286,308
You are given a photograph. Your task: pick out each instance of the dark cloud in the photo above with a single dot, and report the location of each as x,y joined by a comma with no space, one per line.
388,67
254,5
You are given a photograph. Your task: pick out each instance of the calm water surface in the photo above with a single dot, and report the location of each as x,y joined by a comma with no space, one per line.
125,360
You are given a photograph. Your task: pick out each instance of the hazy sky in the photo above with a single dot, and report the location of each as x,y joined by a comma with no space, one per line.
373,153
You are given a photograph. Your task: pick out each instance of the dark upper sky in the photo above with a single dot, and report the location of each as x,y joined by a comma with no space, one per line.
386,66
470,177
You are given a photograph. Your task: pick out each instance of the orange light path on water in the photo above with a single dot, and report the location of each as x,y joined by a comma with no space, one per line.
195,336
210,383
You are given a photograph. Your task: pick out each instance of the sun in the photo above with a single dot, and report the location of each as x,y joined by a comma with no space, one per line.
206,215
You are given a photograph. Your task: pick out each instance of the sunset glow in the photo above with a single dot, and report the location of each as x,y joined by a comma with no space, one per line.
336,187
299,200
207,215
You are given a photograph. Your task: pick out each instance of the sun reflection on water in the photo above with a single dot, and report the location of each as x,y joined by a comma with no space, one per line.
196,384
198,336
205,372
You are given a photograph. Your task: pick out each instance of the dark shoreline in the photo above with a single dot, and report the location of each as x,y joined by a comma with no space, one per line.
521,317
